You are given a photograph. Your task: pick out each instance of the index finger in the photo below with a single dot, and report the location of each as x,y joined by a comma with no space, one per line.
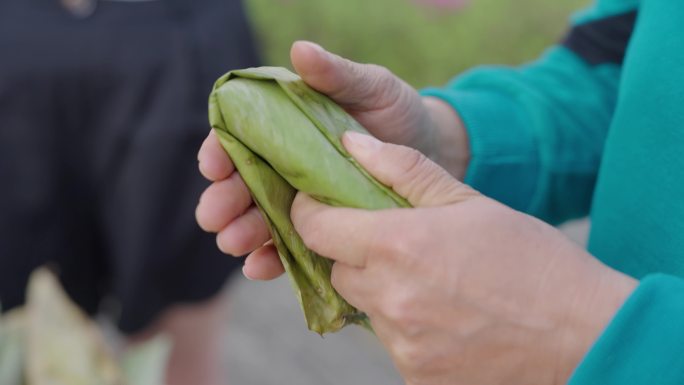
342,234
214,163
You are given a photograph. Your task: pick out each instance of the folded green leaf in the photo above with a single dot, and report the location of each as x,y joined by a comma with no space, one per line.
285,137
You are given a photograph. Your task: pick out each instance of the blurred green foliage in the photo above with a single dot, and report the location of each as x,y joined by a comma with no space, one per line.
423,45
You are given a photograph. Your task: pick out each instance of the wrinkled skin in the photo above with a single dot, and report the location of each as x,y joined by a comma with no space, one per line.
460,289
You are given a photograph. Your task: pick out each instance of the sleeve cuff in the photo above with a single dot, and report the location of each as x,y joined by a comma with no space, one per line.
504,158
644,344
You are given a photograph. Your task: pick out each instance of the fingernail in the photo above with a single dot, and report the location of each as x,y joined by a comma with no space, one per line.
313,45
322,52
361,141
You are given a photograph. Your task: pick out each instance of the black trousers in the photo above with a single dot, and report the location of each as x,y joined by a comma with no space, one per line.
100,122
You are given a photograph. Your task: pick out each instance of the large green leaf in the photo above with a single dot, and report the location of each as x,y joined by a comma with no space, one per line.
285,137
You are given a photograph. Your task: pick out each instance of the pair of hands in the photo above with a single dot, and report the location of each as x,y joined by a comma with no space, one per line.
459,289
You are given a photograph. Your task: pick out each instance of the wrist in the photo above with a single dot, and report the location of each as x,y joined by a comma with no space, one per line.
594,312
451,145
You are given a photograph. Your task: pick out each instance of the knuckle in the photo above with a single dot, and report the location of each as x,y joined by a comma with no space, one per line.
414,163
236,240
204,217
202,222
384,83
383,244
409,355
412,160
387,246
222,245
400,309
202,225
310,233
417,177
239,246
383,75
340,281
234,185
395,311
359,74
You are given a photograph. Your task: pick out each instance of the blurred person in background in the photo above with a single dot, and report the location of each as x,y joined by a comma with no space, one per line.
102,107
465,290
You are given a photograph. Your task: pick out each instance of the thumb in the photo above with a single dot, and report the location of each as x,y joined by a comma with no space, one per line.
362,87
408,172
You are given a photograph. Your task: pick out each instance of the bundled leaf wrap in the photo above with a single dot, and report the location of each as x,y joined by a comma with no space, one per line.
284,137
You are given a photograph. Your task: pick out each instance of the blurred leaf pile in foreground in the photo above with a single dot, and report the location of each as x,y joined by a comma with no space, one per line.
50,341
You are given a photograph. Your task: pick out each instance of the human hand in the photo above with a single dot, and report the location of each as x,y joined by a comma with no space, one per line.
381,102
461,289
385,105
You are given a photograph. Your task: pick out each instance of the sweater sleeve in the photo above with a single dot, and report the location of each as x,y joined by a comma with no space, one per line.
644,343
537,132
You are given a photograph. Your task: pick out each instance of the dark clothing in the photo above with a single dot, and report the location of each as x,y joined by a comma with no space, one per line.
101,119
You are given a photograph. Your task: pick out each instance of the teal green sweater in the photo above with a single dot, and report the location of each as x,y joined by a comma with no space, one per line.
596,126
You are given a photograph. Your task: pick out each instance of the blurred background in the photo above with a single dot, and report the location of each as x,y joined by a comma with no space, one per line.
426,43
